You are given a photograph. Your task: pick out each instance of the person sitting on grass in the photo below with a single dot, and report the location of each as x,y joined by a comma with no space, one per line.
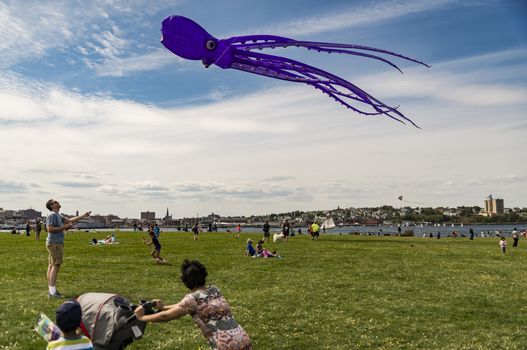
249,250
156,251
259,248
267,254
110,239
262,252
207,306
68,318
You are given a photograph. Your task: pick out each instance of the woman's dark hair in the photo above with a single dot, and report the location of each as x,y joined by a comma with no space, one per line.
193,274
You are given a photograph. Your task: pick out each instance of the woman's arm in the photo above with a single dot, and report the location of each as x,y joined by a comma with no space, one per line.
161,306
168,314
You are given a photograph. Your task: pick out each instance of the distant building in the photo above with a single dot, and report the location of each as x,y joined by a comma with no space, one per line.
213,217
148,215
167,216
30,214
493,206
96,220
7,214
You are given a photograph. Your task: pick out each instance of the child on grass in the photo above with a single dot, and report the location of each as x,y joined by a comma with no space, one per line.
69,316
196,230
503,244
157,247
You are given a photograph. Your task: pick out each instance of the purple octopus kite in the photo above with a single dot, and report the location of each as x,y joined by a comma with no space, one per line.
189,40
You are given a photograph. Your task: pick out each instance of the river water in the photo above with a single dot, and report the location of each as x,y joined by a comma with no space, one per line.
418,231
392,230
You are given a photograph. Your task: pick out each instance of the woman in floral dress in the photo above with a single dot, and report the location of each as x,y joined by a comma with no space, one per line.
208,308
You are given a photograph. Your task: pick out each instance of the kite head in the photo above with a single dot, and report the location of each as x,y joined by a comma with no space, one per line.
187,39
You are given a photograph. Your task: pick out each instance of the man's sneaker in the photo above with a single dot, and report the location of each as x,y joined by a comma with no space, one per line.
56,295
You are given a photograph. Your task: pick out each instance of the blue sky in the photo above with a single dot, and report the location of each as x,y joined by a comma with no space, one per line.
96,112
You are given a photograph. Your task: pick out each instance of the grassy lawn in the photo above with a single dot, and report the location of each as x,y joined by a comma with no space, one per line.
342,292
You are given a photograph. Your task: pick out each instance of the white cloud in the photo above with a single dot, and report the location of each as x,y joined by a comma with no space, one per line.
119,67
89,26
107,44
467,81
447,87
355,16
7,186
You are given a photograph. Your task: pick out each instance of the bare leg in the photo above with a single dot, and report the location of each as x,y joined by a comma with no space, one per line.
53,271
49,273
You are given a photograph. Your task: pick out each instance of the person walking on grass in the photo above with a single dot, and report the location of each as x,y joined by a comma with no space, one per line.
56,226
286,228
515,238
503,244
28,228
208,308
38,229
315,231
196,230
266,231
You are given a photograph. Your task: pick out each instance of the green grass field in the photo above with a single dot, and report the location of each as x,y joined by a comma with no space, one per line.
341,292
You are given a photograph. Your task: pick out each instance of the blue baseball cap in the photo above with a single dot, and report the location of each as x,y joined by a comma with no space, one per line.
69,315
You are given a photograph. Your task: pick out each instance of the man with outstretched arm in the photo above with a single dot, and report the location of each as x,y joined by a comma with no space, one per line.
56,225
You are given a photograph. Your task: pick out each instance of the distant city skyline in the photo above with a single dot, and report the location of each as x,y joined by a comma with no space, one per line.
490,206
96,113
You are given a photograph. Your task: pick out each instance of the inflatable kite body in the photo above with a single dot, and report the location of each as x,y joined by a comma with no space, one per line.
189,40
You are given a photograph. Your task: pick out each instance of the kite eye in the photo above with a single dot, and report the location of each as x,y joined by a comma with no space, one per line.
210,45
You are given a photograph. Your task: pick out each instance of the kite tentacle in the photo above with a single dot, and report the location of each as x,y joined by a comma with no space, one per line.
276,66
290,70
320,49
325,47
258,39
284,75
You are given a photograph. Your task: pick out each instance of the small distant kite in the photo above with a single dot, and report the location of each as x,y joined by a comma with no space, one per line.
401,198
189,40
